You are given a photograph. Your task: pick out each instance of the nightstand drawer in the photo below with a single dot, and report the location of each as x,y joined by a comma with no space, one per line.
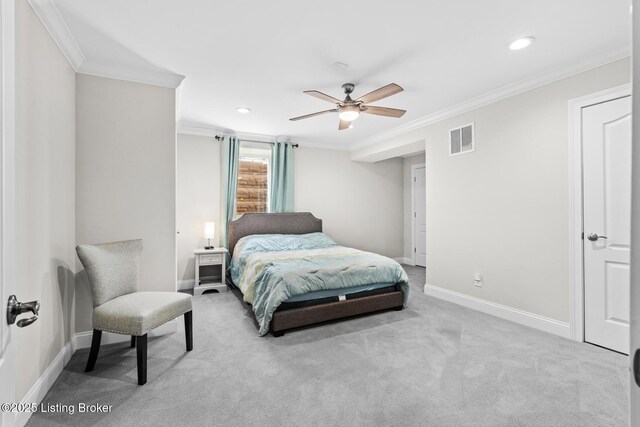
210,259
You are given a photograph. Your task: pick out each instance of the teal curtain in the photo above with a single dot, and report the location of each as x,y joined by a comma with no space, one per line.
281,195
229,157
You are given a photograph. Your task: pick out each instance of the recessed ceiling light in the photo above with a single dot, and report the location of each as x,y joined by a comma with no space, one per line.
351,126
521,43
243,110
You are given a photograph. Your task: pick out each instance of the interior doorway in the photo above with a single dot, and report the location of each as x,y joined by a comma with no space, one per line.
602,211
606,139
419,217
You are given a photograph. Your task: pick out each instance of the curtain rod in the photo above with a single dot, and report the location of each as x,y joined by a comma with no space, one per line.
221,138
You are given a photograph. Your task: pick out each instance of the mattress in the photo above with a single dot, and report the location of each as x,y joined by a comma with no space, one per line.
331,293
323,297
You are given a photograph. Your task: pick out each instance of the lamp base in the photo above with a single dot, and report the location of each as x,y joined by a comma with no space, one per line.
209,247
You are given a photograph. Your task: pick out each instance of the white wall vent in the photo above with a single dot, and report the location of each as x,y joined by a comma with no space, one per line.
461,140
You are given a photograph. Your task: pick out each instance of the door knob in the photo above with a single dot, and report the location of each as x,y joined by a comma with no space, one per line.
594,237
16,308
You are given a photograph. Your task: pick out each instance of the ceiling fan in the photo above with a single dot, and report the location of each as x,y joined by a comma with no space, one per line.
349,109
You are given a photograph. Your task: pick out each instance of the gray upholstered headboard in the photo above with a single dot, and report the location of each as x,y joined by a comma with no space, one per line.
272,223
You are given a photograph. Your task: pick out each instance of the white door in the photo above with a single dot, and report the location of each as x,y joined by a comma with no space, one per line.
635,226
7,342
418,187
606,138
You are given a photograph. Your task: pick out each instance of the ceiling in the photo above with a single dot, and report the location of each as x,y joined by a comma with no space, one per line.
262,55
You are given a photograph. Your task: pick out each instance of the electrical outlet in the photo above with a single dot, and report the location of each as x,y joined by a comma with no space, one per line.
478,280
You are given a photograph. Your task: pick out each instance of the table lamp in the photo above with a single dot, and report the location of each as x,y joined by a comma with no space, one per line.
209,231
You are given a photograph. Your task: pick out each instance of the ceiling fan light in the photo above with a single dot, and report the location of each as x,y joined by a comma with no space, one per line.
349,114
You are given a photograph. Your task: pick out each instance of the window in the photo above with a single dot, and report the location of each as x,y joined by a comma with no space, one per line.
253,179
461,140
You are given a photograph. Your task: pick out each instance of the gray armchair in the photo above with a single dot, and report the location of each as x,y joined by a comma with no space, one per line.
112,269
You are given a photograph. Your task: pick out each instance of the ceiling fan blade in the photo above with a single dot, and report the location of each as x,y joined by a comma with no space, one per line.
384,111
323,96
344,125
319,113
378,94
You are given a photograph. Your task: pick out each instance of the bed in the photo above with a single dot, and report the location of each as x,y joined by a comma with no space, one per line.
293,275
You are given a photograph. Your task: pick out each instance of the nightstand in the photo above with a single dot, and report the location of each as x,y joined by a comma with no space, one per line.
210,270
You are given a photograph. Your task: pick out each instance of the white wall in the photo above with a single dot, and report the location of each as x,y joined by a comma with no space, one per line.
126,177
45,201
360,204
407,217
198,195
503,210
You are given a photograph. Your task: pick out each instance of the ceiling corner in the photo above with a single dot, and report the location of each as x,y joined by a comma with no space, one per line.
50,16
150,77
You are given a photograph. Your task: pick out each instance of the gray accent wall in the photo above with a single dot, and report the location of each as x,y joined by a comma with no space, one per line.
45,196
126,177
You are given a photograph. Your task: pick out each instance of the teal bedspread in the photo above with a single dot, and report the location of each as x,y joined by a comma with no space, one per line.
271,268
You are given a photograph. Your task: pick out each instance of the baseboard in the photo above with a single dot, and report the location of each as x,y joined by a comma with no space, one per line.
80,340
502,311
83,339
182,285
46,380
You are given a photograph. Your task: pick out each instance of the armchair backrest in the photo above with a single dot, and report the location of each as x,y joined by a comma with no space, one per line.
112,268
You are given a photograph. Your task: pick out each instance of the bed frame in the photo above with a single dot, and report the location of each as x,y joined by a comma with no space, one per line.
303,223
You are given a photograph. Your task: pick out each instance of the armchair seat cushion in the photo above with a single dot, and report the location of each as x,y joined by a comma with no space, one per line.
139,312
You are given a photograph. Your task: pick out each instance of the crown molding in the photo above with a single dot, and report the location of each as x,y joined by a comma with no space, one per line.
198,129
507,91
325,147
49,15
52,20
150,77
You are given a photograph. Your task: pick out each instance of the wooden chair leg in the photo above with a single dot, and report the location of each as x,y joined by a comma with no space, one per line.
188,329
141,351
95,347
133,341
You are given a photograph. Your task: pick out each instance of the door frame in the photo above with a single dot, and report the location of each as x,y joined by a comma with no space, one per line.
7,181
413,208
576,242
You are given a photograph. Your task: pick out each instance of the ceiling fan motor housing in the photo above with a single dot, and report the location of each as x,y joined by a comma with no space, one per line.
348,88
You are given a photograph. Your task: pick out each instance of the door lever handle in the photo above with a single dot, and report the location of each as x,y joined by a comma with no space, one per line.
594,237
16,308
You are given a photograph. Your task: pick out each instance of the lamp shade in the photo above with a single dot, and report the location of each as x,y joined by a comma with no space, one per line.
209,230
